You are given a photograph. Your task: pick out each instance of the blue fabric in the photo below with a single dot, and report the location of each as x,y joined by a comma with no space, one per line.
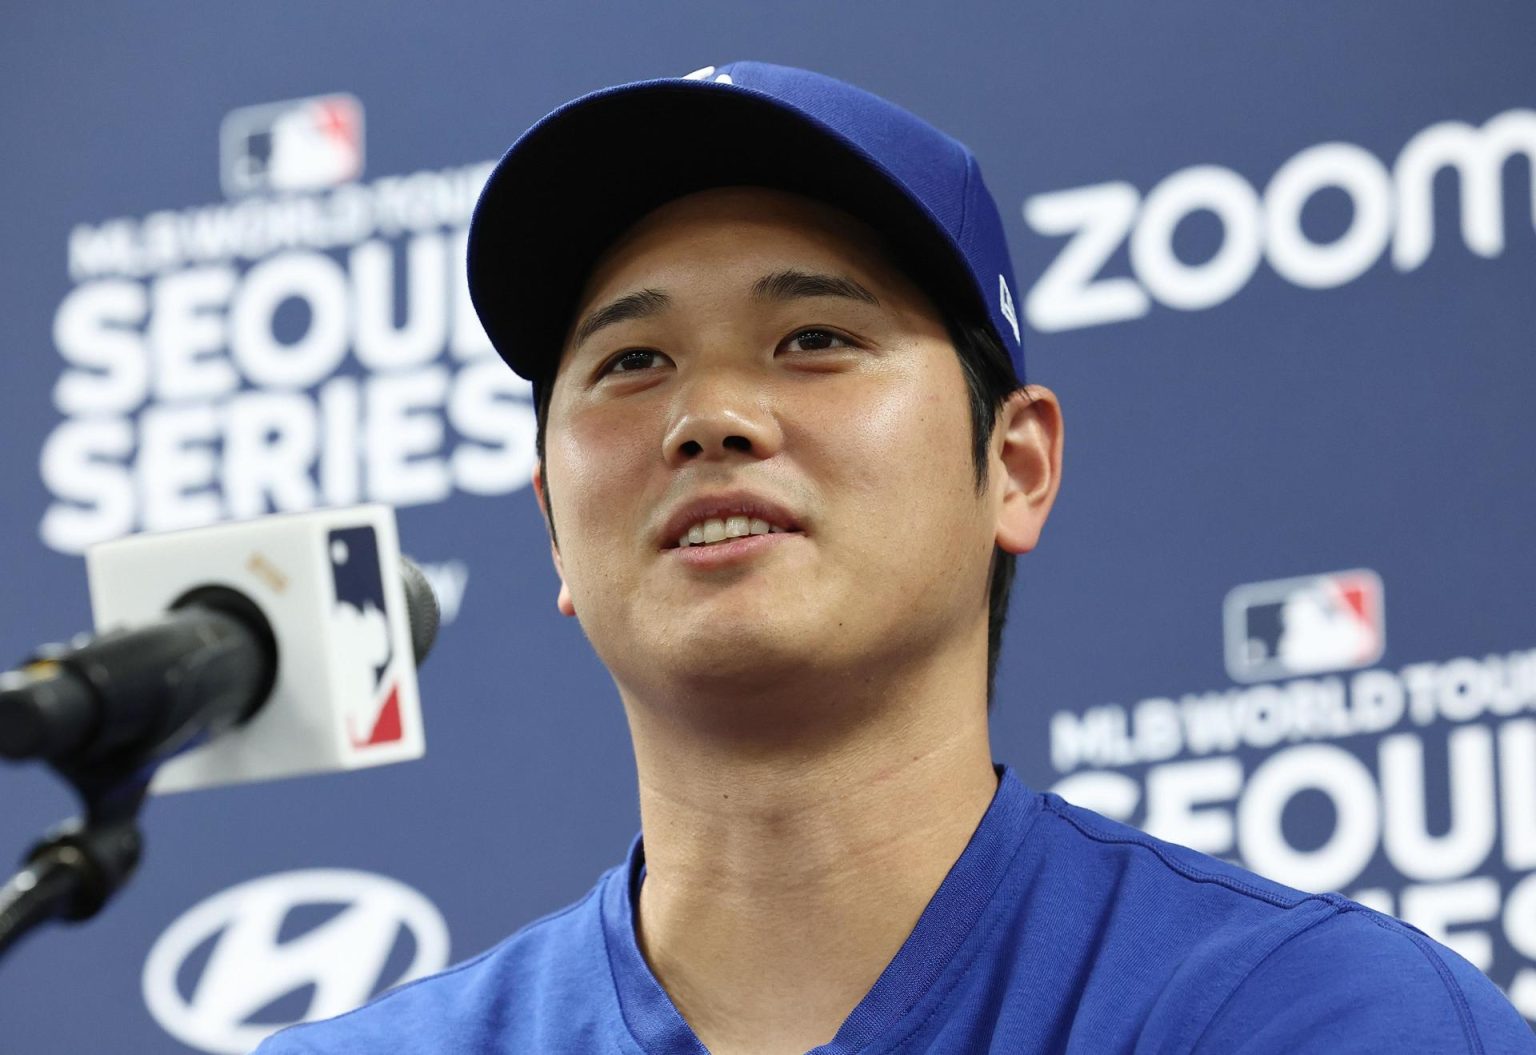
1056,931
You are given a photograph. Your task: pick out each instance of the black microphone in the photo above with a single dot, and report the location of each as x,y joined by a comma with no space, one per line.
238,652
203,668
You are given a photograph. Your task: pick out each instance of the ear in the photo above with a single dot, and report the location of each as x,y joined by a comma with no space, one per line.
563,601
1026,456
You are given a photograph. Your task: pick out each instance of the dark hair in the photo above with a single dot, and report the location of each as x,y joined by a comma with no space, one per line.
989,380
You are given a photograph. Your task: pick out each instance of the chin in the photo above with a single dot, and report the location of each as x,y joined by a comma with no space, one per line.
745,660
748,655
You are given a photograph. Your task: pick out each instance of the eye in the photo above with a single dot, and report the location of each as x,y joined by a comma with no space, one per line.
817,339
632,361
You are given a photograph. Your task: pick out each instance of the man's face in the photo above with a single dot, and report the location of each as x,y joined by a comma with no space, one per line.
746,353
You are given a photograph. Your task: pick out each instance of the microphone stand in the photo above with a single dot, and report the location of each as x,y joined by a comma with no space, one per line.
76,868
105,715
133,699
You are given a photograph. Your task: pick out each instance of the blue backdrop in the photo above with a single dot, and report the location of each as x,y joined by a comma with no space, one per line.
1277,261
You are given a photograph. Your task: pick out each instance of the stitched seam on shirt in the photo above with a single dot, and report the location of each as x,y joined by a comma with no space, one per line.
1231,993
1458,998
613,980
964,969
1178,866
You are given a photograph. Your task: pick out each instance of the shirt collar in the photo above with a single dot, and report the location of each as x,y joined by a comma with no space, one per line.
923,958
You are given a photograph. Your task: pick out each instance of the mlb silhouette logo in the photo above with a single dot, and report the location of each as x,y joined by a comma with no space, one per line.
1292,627
298,145
360,624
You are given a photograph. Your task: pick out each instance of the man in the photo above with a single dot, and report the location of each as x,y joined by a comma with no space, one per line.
786,463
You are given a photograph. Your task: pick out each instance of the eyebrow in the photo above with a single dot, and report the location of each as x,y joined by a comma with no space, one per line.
788,284
791,284
636,305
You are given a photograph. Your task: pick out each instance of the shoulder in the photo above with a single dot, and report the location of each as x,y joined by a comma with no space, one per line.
503,996
1250,965
1359,981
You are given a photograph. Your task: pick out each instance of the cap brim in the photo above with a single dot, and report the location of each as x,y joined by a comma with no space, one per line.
586,173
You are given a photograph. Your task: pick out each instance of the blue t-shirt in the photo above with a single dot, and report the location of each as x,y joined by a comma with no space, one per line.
1057,930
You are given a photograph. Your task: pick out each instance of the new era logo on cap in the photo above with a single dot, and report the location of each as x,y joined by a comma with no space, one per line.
1005,304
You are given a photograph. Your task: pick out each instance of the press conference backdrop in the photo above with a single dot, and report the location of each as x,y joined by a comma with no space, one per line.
1277,260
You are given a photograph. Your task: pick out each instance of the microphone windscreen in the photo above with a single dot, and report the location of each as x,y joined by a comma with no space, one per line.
421,607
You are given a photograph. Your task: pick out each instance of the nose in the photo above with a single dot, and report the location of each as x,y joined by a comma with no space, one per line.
721,415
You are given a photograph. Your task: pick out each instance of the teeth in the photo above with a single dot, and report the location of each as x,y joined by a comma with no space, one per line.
719,529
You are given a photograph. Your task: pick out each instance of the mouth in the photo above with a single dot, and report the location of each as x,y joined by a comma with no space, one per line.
725,520
715,530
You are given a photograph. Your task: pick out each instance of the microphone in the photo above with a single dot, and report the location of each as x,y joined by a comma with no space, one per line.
238,652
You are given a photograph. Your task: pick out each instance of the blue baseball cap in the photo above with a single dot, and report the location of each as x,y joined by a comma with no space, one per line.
582,176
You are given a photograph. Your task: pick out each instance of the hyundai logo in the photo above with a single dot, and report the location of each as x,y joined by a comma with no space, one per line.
227,959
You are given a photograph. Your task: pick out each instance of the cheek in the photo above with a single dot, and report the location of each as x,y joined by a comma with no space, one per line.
594,472
902,454
589,454
916,427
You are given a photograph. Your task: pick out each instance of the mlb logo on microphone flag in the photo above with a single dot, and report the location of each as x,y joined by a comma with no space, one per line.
329,587
298,145
1291,627
361,618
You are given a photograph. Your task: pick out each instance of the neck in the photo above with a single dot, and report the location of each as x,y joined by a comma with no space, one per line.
783,873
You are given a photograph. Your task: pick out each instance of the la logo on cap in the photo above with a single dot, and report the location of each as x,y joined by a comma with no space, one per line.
706,73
